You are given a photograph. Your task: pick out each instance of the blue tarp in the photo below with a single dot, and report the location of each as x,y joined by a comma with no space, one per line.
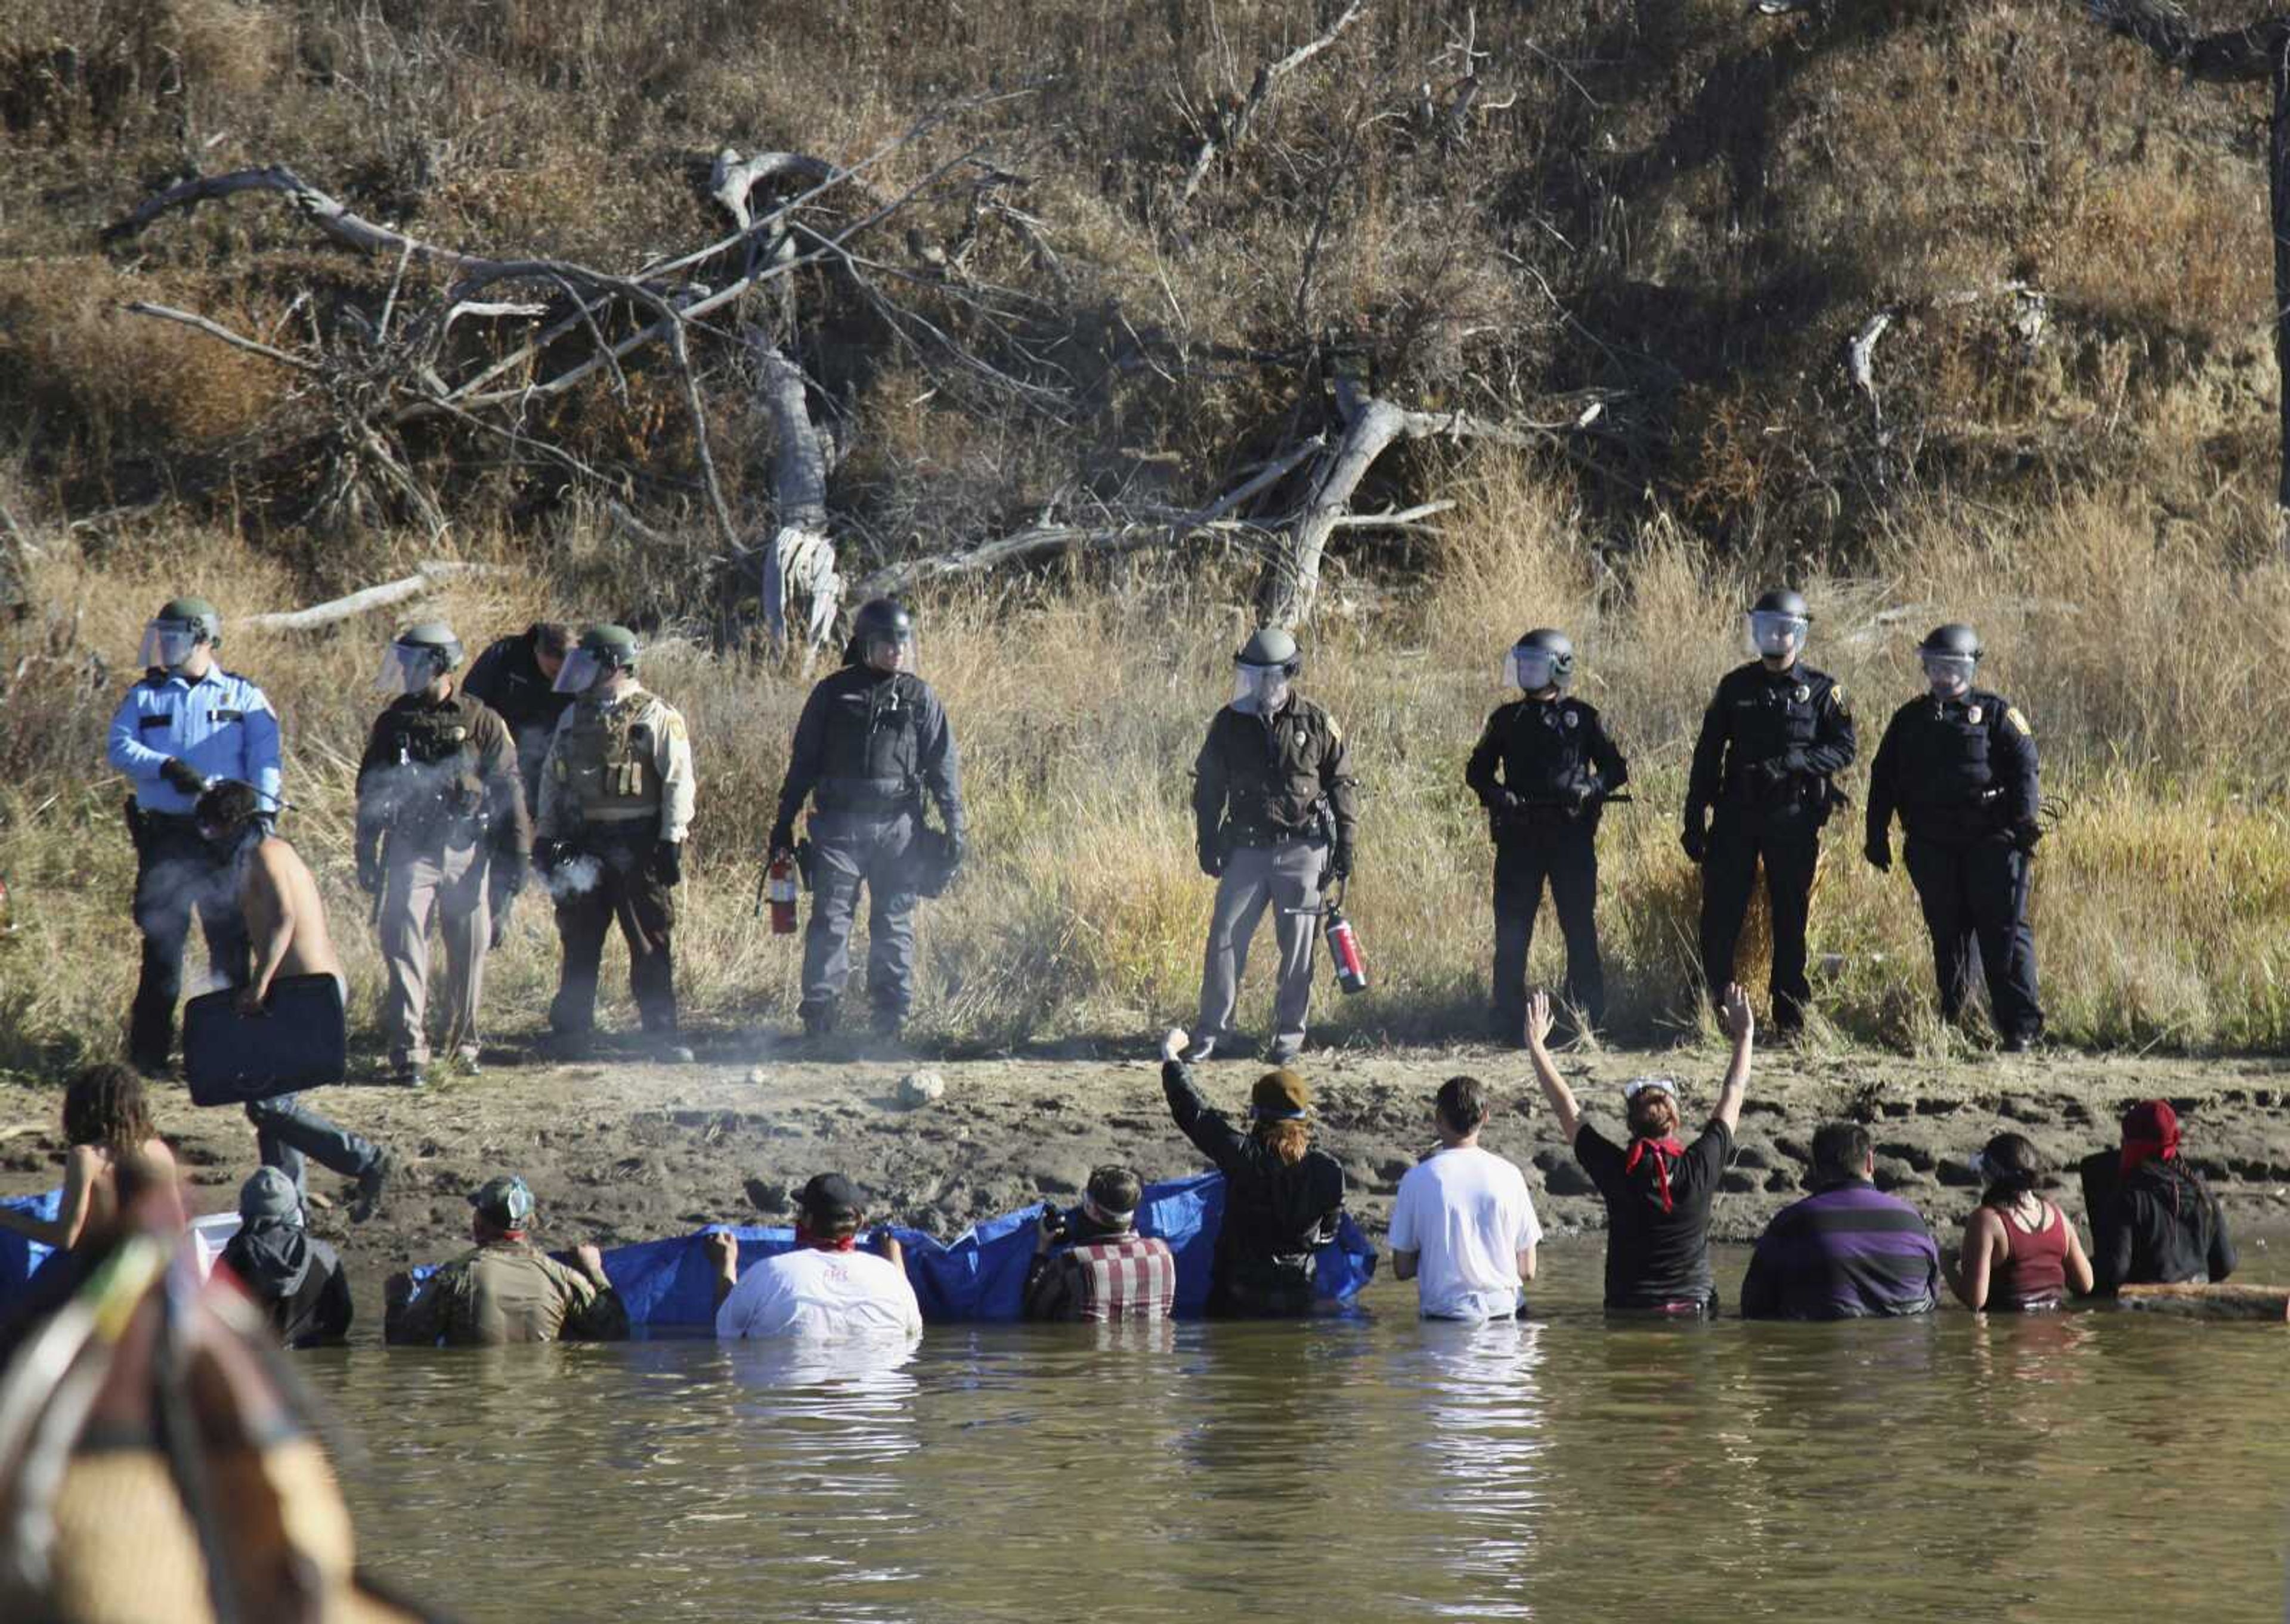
21,1258
981,1276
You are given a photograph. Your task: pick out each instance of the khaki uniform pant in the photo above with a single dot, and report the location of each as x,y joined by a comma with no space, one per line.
449,886
1286,878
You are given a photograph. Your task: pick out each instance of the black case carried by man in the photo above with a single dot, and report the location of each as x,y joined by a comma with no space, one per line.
301,1040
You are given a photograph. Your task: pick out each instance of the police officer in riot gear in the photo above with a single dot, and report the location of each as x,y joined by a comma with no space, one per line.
443,833
1775,735
1544,769
872,741
187,723
1958,765
1275,818
616,802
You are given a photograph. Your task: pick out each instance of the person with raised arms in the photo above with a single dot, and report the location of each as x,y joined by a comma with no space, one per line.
1658,1191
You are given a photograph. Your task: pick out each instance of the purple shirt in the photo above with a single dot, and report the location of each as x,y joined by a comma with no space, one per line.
1847,1251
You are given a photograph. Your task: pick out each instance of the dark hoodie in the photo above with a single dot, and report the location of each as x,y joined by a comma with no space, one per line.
2162,1227
298,1280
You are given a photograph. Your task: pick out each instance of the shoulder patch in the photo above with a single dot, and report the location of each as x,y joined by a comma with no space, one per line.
1335,734
1837,698
2018,723
676,732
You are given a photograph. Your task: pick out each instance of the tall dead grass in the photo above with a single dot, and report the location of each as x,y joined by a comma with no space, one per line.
2162,901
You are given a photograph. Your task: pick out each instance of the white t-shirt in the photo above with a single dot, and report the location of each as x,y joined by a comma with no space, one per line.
811,1293
1466,1212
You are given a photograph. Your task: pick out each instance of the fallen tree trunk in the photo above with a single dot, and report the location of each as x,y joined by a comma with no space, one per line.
2262,1302
425,578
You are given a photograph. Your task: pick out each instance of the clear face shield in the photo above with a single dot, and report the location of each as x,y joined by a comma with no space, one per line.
1259,691
1777,636
168,644
581,672
1530,669
889,653
1949,674
404,671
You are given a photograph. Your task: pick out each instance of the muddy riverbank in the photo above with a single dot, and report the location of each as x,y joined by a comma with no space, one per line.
620,1152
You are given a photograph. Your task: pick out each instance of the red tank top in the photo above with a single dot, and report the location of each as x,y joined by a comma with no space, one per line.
2035,1275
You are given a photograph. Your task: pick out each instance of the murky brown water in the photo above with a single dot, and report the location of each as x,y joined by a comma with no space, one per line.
2078,1467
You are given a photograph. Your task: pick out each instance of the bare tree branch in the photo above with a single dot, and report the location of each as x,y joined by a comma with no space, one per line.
425,578
1231,127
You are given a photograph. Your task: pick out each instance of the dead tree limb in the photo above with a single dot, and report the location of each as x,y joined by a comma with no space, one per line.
425,578
216,330
1127,534
733,178
798,566
1231,125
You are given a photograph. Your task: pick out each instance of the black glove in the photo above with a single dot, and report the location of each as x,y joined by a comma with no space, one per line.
369,872
668,863
1695,839
1581,795
182,775
781,838
1211,857
957,848
1879,851
1773,769
1340,865
2024,836
546,855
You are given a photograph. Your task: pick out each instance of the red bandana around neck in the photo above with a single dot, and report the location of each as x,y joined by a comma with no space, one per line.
1665,1152
824,1243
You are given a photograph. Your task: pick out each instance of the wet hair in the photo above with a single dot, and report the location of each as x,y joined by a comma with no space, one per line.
1652,1113
1116,1189
105,1106
2013,1167
1462,1104
1840,1150
227,804
1286,1137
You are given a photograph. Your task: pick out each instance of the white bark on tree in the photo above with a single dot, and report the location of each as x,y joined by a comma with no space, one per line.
798,566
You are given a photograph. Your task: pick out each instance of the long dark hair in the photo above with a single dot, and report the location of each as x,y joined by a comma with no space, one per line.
2012,1168
105,1106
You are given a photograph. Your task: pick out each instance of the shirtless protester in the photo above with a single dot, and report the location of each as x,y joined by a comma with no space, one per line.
108,1123
286,924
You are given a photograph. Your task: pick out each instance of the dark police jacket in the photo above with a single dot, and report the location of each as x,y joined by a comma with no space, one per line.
1264,778
869,742
1958,771
441,773
1544,749
507,676
1796,719
1276,1214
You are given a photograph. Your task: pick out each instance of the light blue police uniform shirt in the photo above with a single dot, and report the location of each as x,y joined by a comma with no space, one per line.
222,725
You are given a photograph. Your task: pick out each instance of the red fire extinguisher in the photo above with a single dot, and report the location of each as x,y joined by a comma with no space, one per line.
1344,946
780,887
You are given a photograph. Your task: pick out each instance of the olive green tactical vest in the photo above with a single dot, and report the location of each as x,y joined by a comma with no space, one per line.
605,764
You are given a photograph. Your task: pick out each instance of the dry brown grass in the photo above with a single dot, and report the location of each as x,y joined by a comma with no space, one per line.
2162,903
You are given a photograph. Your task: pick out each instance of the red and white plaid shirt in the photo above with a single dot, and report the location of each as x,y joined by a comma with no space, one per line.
1128,1277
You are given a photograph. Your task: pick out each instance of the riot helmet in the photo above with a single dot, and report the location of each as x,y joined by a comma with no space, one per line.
1541,658
1264,671
1951,655
180,627
1777,624
419,655
601,651
883,635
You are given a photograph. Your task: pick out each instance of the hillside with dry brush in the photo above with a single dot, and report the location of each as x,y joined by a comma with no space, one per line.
1065,315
